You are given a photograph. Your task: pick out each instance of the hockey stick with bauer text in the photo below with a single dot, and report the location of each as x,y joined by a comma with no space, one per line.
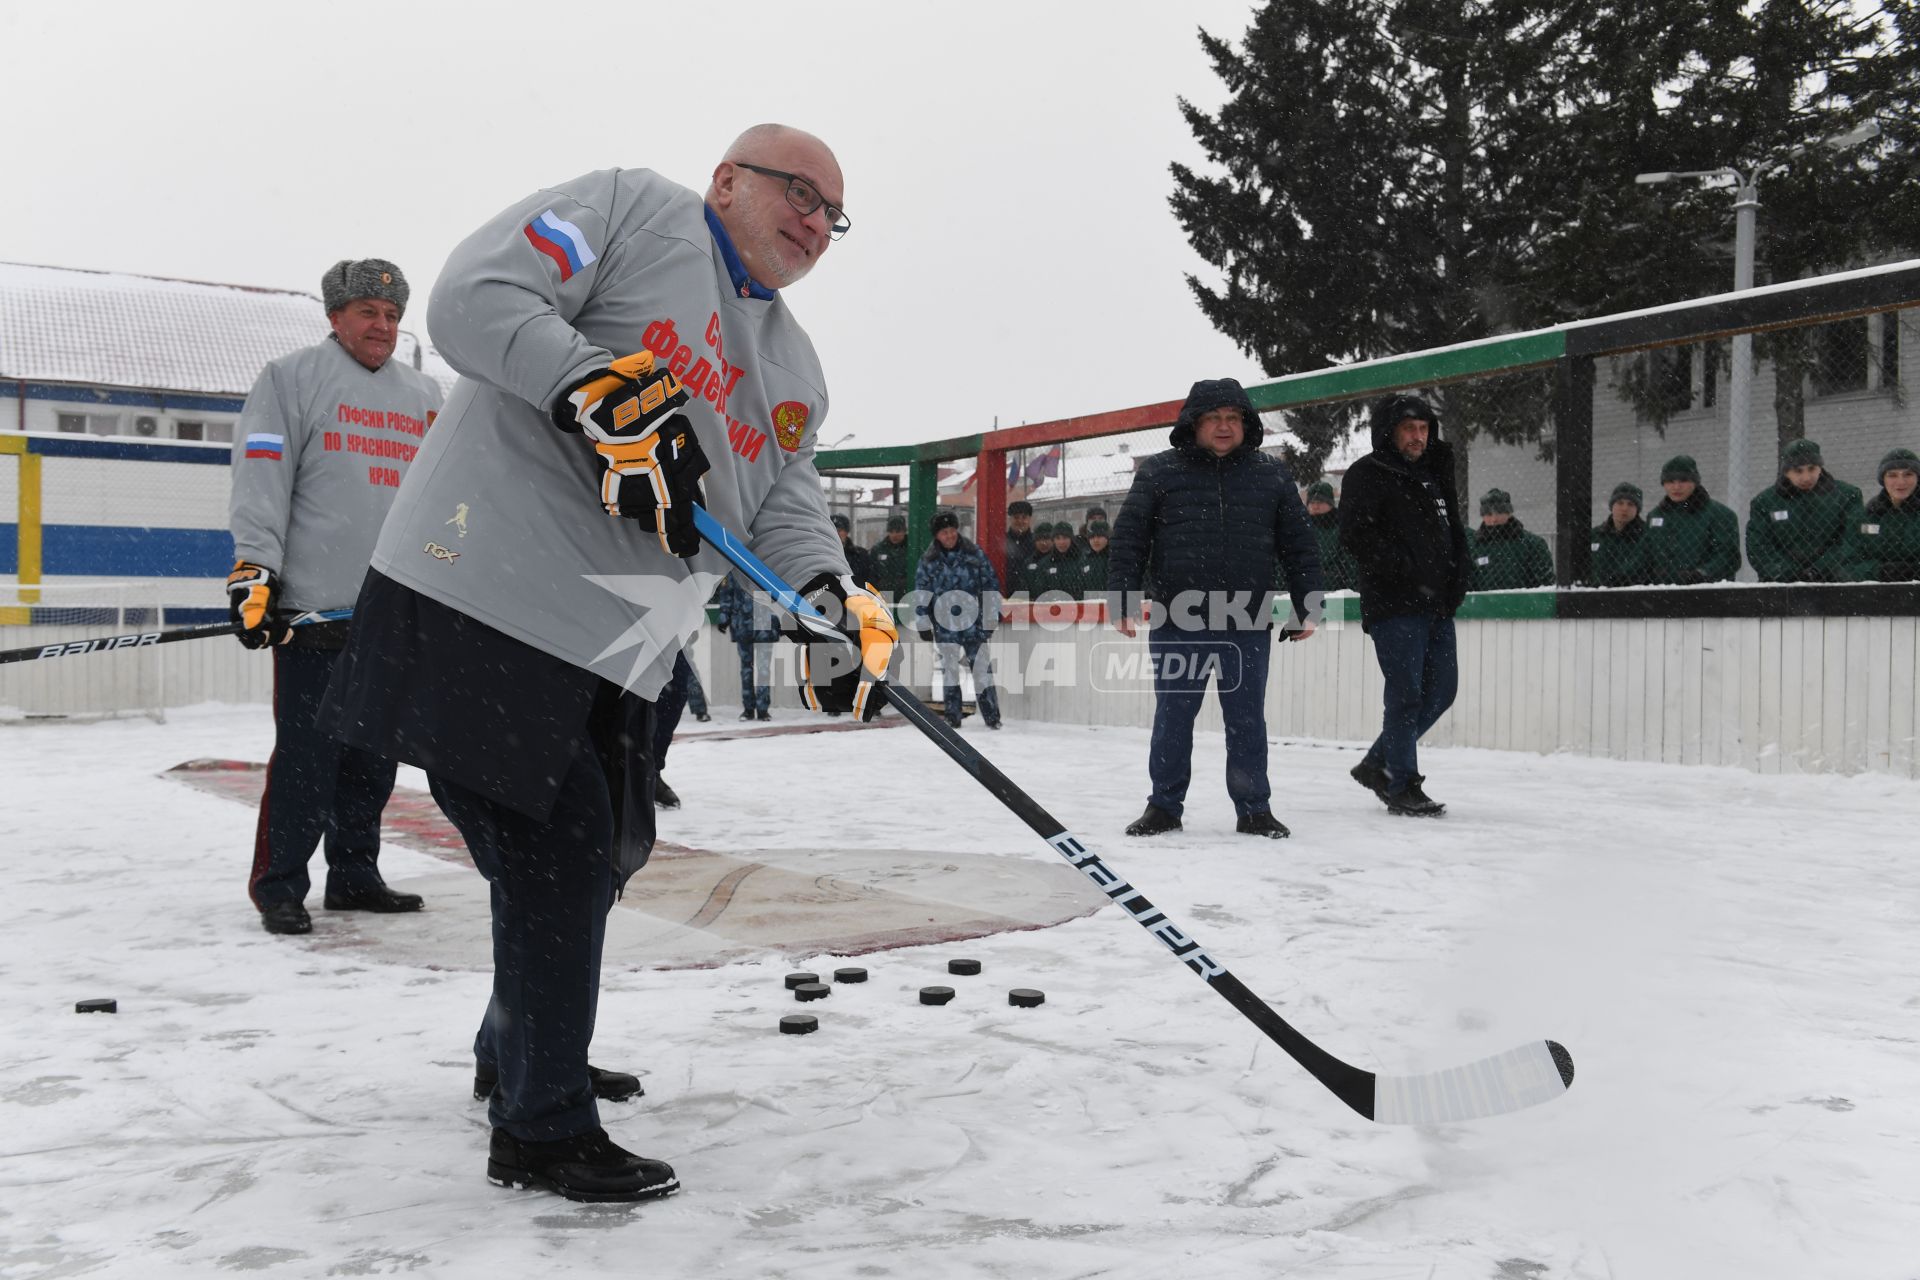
1535,1072
144,639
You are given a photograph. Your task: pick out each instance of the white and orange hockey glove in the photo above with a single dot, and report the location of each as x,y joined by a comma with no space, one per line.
832,676
631,410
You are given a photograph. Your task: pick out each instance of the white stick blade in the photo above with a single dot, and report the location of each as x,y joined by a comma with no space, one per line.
1510,1081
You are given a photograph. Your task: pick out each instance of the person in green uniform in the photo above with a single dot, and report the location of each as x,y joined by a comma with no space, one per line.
1690,537
1804,526
1617,548
1890,533
1501,554
1337,568
891,561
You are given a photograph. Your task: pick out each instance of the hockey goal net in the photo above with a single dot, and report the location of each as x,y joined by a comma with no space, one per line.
125,682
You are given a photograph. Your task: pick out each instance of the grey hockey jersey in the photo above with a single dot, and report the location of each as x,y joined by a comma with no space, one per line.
318,457
500,517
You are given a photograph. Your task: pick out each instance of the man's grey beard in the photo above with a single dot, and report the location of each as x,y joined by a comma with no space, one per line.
766,243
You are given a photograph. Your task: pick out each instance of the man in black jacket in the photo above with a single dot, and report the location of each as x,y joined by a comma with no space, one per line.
1208,519
1400,517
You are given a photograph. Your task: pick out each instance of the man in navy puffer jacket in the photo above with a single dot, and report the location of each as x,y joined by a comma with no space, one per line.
1206,522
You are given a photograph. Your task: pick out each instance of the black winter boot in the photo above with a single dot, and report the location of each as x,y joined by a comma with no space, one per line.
663,795
1411,802
1153,822
1371,776
286,917
588,1167
1262,824
381,900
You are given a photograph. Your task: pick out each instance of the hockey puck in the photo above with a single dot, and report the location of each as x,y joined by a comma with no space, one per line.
965,968
812,991
1026,998
97,1006
849,975
799,1024
796,979
935,995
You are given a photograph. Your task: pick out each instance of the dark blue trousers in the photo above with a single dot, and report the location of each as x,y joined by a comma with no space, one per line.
1183,661
552,882
1418,657
315,787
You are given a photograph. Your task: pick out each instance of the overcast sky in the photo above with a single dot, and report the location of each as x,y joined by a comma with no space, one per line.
1012,255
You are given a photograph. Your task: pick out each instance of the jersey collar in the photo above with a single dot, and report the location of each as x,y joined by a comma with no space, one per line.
743,284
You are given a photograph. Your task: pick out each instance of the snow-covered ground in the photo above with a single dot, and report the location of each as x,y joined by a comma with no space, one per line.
1733,961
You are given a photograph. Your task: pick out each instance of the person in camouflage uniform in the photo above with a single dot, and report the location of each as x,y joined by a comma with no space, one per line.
1501,554
748,618
1690,537
1618,544
1804,527
956,606
1337,568
1890,533
892,567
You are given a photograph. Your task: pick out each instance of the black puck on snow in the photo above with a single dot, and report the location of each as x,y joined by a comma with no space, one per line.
812,991
1026,998
935,995
850,975
795,979
799,1024
965,968
97,1006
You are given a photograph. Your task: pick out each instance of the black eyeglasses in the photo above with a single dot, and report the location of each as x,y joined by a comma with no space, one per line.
805,198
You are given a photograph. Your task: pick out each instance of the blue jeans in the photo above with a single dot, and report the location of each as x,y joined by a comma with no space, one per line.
1182,662
1417,656
981,664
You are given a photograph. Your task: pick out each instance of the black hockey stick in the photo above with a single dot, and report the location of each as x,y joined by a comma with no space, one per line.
1535,1072
145,639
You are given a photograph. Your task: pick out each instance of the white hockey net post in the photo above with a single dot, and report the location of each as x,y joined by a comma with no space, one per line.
88,686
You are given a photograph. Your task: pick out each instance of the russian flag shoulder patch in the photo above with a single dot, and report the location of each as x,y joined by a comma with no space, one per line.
561,241
261,444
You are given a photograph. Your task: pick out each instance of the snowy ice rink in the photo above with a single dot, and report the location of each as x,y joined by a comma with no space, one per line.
1733,961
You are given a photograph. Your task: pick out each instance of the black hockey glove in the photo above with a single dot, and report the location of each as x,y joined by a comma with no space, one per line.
632,413
834,679
252,592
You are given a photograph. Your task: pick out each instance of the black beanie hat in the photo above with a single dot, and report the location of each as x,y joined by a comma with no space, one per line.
1800,453
1496,500
1630,491
896,524
841,523
1020,507
944,520
1898,460
1680,467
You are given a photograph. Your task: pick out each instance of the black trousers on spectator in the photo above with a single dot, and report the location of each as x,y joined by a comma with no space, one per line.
315,786
552,883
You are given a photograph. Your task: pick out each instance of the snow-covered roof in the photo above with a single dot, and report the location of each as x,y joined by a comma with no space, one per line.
101,328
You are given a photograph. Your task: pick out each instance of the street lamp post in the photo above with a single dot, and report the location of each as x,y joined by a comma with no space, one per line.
1746,206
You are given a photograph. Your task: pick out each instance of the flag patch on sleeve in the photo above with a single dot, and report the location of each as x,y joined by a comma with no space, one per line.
262,445
561,241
